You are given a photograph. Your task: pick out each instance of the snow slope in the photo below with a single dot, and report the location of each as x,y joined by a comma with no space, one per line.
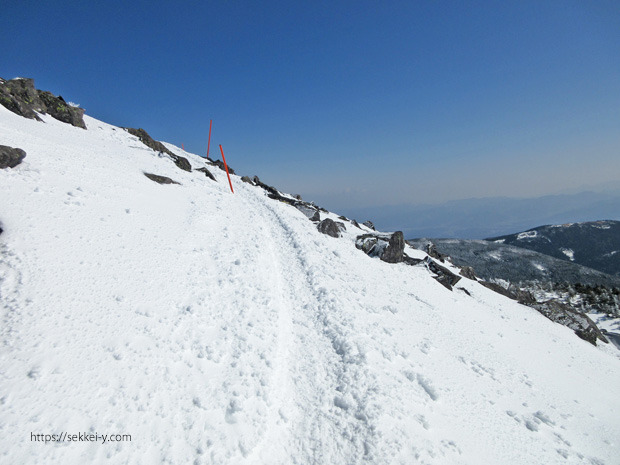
224,329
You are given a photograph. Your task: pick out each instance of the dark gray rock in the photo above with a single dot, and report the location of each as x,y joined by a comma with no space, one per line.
369,224
147,140
388,248
394,252
182,163
561,313
220,165
160,179
21,97
356,224
468,272
443,275
270,189
297,197
372,245
61,110
10,157
341,226
306,209
247,180
316,217
207,173
431,250
411,261
329,227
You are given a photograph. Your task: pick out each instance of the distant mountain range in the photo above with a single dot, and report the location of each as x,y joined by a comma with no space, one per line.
592,244
575,264
488,217
494,260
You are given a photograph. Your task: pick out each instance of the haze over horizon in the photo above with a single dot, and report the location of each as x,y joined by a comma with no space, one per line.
354,104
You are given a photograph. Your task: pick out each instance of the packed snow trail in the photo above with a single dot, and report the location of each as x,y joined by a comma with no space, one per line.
224,329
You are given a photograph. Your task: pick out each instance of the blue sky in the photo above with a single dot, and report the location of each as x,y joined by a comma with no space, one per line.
349,103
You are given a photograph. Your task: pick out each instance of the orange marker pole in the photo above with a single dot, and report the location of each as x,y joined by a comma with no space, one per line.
183,146
209,143
226,166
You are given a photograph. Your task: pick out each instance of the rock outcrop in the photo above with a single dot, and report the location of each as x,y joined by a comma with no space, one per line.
10,157
468,272
147,140
561,313
394,252
22,98
329,227
369,224
442,274
388,248
62,111
220,165
207,173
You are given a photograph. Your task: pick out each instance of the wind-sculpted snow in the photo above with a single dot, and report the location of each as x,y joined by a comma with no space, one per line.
219,328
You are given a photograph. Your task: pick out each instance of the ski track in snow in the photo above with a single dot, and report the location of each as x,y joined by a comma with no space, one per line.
224,329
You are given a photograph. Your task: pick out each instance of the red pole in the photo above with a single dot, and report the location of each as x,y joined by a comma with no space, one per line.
209,143
183,146
226,166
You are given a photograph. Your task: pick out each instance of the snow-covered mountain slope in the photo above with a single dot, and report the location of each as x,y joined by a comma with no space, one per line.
493,260
220,328
595,244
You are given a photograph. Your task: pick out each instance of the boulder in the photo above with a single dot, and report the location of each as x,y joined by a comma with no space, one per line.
431,250
61,110
160,179
388,248
371,245
182,163
468,272
10,157
316,217
443,275
207,173
329,227
356,224
220,165
369,224
306,209
394,252
247,180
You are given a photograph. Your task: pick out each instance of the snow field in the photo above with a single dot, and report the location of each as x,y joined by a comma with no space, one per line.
224,329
